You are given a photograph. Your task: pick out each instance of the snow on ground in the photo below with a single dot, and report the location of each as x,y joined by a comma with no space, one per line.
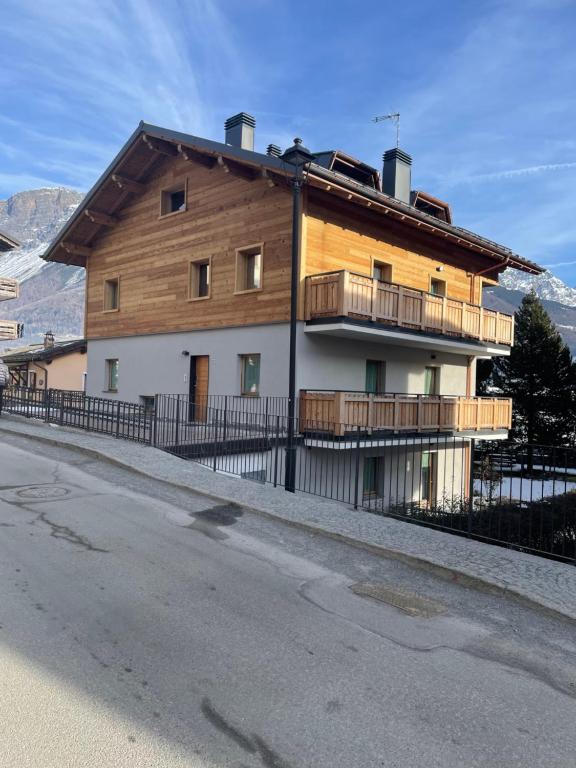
520,488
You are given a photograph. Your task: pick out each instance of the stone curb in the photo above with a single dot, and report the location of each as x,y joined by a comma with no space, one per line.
459,575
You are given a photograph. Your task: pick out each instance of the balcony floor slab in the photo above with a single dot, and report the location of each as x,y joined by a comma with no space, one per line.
361,330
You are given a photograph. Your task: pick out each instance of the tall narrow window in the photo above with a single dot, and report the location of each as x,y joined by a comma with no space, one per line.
249,269
431,380
199,287
375,376
111,294
112,375
428,478
382,271
250,374
437,287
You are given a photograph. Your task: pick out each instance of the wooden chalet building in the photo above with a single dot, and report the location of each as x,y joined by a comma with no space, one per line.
186,244
9,289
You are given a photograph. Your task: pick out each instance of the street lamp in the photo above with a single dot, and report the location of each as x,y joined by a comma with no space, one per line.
299,157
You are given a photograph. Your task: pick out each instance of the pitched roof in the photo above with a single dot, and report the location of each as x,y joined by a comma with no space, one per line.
39,352
128,170
7,243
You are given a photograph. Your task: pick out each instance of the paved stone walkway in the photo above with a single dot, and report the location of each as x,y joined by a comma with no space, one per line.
545,582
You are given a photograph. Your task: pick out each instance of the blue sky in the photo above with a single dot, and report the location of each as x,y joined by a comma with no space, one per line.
485,90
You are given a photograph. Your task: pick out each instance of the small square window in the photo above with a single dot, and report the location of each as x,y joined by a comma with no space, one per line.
437,287
249,268
199,286
250,374
112,375
111,294
382,271
173,201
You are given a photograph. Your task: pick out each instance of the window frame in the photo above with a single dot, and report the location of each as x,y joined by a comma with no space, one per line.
105,282
108,380
438,280
165,192
436,379
381,375
243,358
429,478
193,277
376,462
240,252
376,262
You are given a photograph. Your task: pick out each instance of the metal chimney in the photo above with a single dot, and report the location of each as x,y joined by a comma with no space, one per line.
397,174
239,131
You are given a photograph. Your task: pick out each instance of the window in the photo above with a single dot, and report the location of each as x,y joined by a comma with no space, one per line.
112,375
148,402
382,271
428,478
437,287
250,374
431,380
112,294
375,376
249,269
32,379
371,473
173,201
199,285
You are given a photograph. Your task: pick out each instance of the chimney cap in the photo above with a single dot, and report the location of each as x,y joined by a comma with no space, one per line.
273,150
240,118
397,154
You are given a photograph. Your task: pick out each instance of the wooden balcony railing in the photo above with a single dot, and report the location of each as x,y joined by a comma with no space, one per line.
8,330
8,288
342,412
347,294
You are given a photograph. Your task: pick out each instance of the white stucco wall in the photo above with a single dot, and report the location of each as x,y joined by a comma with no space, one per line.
155,364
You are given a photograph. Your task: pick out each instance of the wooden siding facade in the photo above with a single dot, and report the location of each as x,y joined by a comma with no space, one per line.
150,254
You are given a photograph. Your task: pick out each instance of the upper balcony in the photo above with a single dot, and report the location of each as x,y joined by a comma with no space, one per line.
9,288
348,304
8,330
340,413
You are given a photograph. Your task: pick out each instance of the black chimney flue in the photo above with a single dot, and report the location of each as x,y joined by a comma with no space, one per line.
397,174
239,131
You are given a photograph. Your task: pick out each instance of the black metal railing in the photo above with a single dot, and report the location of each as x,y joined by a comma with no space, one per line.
515,495
118,418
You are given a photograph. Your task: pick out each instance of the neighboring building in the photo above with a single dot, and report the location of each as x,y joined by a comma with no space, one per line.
9,289
51,365
186,244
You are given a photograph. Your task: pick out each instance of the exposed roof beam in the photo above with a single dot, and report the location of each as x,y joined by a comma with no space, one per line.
157,145
222,164
196,157
99,217
128,184
267,178
76,249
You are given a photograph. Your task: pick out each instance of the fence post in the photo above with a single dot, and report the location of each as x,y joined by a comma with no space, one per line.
61,409
47,405
357,470
471,486
177,425
215,439
225,418
118,419
154,430
276,451
87,402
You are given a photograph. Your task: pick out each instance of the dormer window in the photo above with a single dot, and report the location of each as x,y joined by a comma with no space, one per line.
173,201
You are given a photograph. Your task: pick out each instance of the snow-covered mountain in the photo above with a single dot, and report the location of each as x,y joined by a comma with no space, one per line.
51,295
546,285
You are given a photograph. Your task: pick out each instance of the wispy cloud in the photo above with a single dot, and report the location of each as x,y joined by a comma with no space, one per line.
531,170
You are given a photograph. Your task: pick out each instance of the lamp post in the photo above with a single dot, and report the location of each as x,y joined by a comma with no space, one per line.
297,156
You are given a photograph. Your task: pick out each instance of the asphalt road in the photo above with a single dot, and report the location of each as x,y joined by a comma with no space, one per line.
144,626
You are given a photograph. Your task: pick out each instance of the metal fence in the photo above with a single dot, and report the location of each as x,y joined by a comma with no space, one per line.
515,495
509,494
76,409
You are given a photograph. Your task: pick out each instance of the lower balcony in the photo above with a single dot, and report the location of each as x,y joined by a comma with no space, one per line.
340,413
9,288
9,330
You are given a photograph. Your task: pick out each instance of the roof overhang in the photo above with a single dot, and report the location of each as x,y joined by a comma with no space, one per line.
7,243
127,172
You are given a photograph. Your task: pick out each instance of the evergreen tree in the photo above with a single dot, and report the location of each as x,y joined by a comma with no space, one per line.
540,377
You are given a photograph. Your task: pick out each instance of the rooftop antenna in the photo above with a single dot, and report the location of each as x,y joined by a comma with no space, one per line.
395,117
